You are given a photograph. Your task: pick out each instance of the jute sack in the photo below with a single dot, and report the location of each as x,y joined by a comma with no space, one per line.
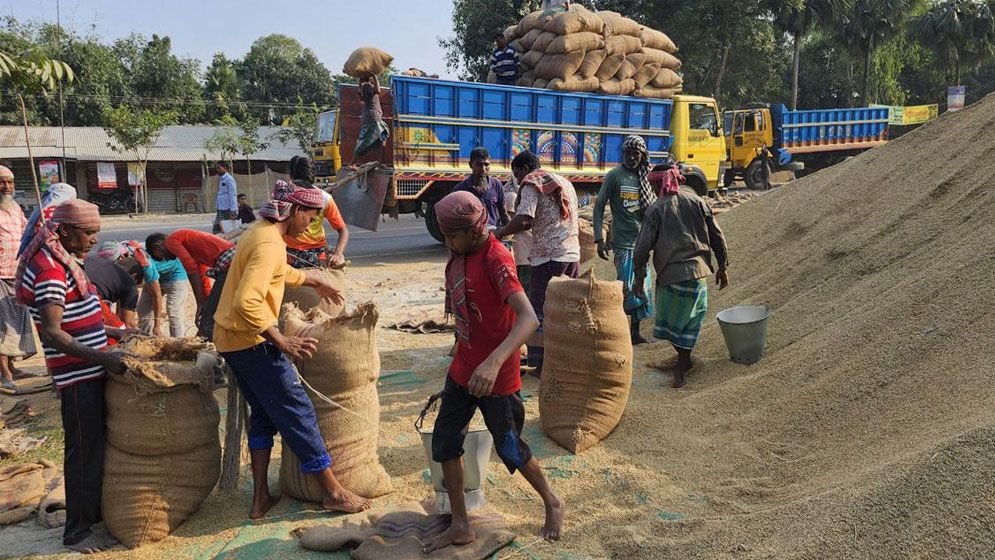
525,80
661,58
531,59
491,77
345,370
657,40
588,249
528,40
610,66
623,44
511,33
543,40
666,78
583,42
575,20
537,19
617,87
633,62
616,24
559,65
592,62
575,84
588,365
366,60
163,456
655,93
307,298
540,83
645,74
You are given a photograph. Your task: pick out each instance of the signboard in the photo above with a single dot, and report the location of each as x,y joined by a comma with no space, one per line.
106,176
909,115
955,98
135,177
48,173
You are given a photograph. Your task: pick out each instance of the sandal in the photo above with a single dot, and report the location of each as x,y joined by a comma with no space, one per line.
8,387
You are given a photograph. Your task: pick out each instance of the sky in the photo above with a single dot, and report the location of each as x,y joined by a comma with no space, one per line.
407,29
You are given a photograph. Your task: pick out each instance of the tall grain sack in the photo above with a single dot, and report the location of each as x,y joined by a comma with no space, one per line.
528,40
667,78
345,370
588,366
588,249
543,40
307,298
559,65
592,62
575,84
633,62
366,60
616,24
163,456
531,59
610,66
623,44
617,87
655,93
575,20
583,42
645,74
657,40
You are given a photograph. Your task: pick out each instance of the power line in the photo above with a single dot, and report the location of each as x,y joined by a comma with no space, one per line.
172,101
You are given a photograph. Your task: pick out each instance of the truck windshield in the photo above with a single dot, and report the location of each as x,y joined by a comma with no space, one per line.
702,117
326,126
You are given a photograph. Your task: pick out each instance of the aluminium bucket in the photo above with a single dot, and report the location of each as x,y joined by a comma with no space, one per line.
744,329
476,456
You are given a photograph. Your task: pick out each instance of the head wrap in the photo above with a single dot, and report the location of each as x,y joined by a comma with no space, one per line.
286,195
56,195
281,189
276,210
460,211
646,195
76,213
6,172
307,197
667,180
549,184
111,250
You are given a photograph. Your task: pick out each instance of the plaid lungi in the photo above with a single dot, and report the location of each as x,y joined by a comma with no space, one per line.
17,337
638,308
680,309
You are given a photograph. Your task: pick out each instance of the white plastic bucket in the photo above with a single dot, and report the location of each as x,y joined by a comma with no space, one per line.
476,456
744,329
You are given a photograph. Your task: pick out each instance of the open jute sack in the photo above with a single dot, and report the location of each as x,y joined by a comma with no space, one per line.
345,370
366,60
163,454
23,486
307,299
588,365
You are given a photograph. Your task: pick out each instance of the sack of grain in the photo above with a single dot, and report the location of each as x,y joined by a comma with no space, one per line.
525,80
667,78
655,93
345,369
633,62
366,60
535,20
559,65
617,87
616,24
592,62
661,58
588,365
540,83
610,66
491,77
623,44
657,40
575,20
588,249
575,84
528,40
583,42
645,74
543,40
307,298
163,456
511,33
531,59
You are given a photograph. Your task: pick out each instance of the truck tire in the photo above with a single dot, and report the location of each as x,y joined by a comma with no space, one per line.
757,175
699,187
432,224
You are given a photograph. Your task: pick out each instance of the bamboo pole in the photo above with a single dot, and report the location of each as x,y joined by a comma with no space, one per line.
31,158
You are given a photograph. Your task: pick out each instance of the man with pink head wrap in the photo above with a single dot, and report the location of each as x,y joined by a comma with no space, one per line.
493,319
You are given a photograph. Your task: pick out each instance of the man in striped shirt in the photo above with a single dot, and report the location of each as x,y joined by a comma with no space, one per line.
505,61
50,280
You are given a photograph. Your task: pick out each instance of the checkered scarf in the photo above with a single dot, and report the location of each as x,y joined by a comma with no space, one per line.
646,195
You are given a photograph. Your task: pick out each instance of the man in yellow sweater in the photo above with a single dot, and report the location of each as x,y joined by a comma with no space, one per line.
246,335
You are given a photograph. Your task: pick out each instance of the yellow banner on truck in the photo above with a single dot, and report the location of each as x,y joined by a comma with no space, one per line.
908,115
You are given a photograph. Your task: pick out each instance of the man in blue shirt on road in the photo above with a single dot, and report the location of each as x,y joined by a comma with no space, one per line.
227,202
488,189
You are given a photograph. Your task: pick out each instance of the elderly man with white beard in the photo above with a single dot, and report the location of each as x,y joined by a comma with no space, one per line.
16,336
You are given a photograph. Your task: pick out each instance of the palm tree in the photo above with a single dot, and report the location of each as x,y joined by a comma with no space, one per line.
870,24
961,33
32,73
798,20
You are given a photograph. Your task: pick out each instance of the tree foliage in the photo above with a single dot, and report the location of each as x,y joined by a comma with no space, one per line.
279,69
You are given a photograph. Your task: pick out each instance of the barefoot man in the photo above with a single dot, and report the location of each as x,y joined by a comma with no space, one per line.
493,320
246,335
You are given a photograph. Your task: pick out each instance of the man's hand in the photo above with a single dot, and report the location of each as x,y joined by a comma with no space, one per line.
114,365
639,289
603,249
722,278
157,329
297,347
323,286
336,259
482,381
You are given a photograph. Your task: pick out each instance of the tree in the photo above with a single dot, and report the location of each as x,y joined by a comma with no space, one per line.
301,126
31,73
869,25
135,132
475,23
798,20
960,33
249,143
222,86
159,79
279,70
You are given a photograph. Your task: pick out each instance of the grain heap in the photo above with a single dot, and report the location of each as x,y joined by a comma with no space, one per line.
578,50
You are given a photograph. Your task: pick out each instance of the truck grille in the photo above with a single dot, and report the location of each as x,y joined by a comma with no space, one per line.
410,187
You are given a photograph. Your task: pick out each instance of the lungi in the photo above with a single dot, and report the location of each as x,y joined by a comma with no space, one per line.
680,309
17,337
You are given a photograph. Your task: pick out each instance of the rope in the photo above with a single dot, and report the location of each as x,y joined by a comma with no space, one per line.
326,399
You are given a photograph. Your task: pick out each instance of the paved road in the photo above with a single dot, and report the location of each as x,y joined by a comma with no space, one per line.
404,239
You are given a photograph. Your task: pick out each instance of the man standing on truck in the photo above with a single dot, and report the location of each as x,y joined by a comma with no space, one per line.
505,61
488,189
627,190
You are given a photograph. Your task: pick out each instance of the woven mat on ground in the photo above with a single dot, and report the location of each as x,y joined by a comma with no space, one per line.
16,414
22,487
399,533
424,322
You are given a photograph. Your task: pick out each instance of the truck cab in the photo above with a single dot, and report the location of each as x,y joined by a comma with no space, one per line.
697,142
326,151
751,147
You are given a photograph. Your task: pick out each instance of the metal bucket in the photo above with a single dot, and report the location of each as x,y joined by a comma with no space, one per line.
476,456
744,329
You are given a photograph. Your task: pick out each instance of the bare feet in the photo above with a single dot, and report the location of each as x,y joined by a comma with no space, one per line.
461,533
555,512
678,380
261,506
93,544
345,501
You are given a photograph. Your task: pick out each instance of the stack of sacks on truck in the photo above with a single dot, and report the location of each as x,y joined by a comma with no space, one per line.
604,52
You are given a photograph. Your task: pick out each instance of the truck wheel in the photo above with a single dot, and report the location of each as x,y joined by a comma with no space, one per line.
697,185
432,224
757,175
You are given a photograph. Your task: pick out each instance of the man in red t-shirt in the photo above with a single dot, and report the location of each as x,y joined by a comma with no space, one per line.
493,319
